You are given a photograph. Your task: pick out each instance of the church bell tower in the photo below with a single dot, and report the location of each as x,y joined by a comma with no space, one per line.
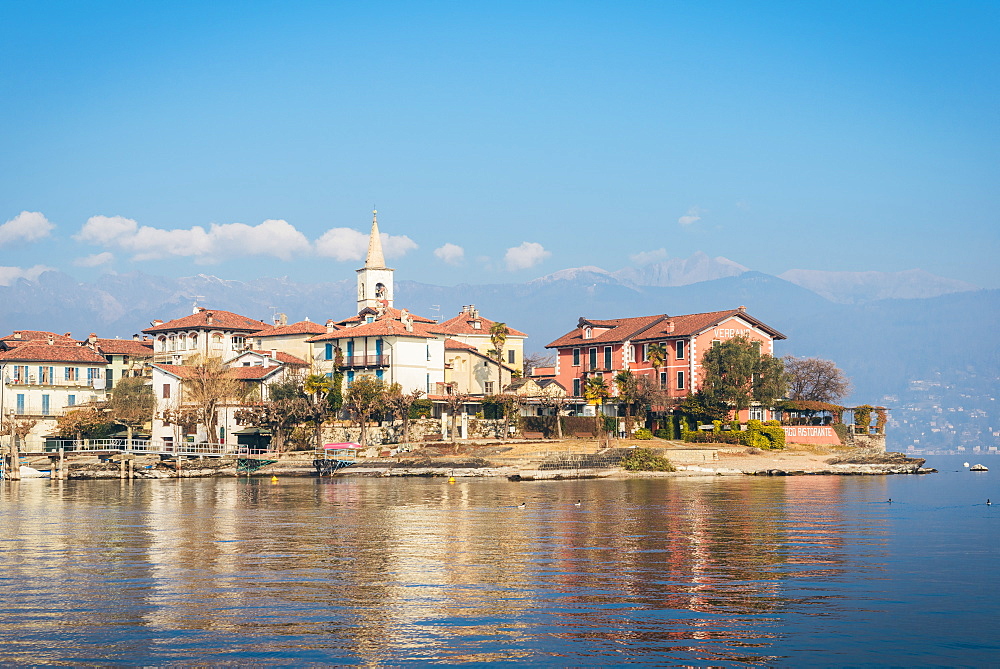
375,279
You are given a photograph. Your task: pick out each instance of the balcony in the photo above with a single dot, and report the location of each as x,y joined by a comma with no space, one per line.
366,361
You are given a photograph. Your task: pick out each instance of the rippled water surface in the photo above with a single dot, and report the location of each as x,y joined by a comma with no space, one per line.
723,571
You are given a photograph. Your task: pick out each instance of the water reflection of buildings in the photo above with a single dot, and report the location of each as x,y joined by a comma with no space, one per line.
377,570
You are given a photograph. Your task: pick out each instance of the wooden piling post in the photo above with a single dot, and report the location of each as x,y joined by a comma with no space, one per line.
177,465
14,471
121,468
62,464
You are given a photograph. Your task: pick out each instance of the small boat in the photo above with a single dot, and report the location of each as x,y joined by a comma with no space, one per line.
979,468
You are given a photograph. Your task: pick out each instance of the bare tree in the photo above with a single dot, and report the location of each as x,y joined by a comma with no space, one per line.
131,405
79,422
454,402
364,398
815,379
533,360
399,404
208,386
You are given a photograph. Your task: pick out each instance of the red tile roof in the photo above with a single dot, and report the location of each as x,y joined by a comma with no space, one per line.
130,347
220,320
386,326
690,324
302,327
618,330
462,325
452,344
286,358
19,337
251,373
32,352
653,328
390,312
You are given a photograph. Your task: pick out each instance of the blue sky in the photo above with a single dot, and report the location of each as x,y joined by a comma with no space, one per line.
499,141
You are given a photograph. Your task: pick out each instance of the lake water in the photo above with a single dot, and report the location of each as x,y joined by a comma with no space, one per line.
722,571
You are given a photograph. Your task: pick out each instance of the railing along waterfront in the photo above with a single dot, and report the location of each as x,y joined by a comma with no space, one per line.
150,446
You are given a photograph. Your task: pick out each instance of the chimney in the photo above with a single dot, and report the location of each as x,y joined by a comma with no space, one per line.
92,339
17,334
157,323
135,337
209,317
742,309
51,340
65,334
306,319
274,354
330,327
670,327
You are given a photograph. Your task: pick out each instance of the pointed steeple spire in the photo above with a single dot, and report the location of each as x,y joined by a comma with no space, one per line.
375,259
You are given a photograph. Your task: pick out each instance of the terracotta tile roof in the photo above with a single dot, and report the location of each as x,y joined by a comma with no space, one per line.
251,373
220,320
451,344
690,324
286,358
32,352
302,327
462,325
131,347
19,337
619,329
383,327
390,312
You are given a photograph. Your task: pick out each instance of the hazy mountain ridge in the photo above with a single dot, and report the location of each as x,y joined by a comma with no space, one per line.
858,287
884,346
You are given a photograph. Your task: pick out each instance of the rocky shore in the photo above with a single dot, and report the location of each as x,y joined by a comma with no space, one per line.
549,460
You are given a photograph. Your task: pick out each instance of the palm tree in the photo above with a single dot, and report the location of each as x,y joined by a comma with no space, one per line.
656,354
626,383
596,391
318,387
498,337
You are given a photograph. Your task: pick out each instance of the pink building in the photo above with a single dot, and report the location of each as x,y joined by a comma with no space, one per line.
605,347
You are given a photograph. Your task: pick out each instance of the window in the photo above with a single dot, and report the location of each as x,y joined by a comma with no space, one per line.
20,403
46,375
663,380
576,357
71,400
93,373
110,376
379,373
680,349
510,356
488,387
716,342
428,351
72,373
593,358
350,377
45,405
607,357
576,387
238,342
680,380
588,333
756,413
329,351
20,373
166,391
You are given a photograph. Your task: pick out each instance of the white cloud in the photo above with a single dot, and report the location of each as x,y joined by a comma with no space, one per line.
528,254
450,253
28,226
9,275
349,244
692,216
646,257
95,260
271,238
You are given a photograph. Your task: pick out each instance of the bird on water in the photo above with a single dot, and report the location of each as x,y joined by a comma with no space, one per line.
521,505
578,503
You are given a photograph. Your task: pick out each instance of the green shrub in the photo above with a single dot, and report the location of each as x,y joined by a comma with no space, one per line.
716,426
647,460
775,435
841,431
643,433
662,434
754,424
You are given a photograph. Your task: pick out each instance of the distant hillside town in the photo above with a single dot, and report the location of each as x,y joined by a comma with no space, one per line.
214,373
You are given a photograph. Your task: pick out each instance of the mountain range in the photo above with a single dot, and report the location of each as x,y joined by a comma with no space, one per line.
890,332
